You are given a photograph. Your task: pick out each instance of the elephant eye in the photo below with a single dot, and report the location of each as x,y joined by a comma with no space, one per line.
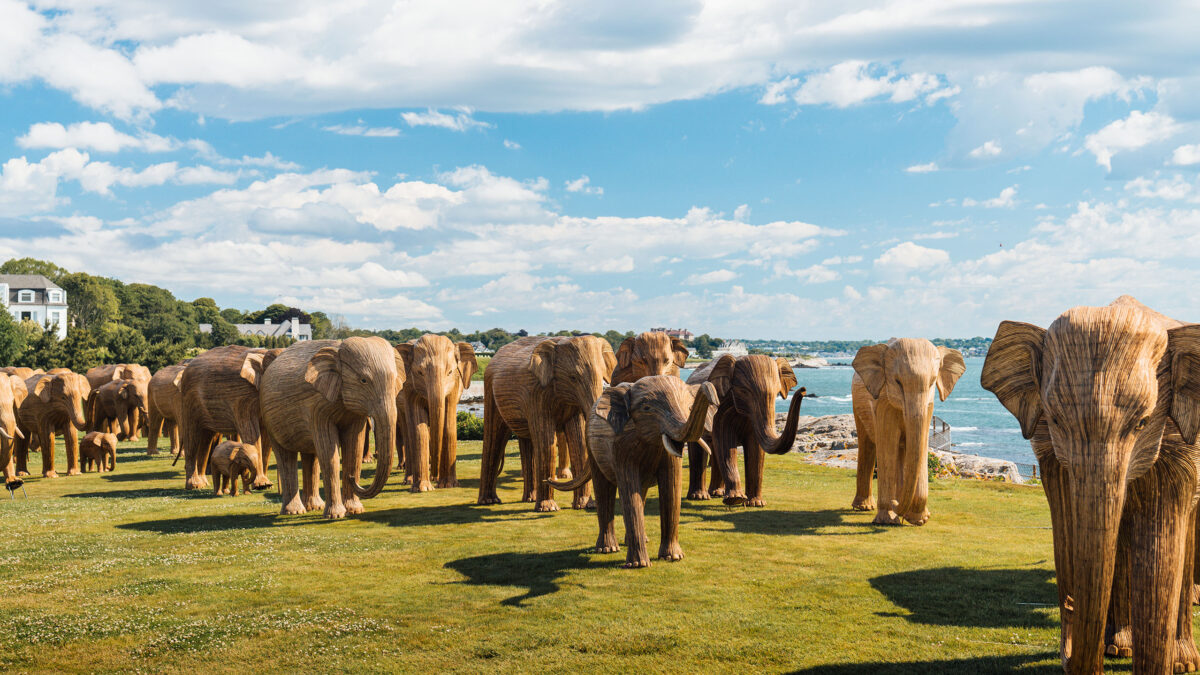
363,380
1142,423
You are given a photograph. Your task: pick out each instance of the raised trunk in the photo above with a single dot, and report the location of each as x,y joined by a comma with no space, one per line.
694,426
385,447
778,444
1098,497
914,467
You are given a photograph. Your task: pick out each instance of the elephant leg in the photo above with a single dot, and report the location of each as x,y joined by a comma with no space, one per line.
311,492
716,480
755,458
1159,507
1187,657
1058,497
250,432
562,468
154,425
543,434
191,438
864,474
402,444
495,437
289,492
670,477
606,496
1118,634
71,442
890,443
351,438
418,417
48,442
20,455
448,466
577,447
633,503
215,476
697,462
725,443
525,450
325,438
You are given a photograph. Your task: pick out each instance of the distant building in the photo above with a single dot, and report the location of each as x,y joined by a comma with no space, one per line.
33,297
480,349
300,332
733,348
681,333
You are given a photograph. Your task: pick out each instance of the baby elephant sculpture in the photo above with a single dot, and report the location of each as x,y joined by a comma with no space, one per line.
231,460
99,449
636,434
892,393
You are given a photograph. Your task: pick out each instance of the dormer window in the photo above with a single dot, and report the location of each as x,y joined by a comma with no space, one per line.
24,296
55,296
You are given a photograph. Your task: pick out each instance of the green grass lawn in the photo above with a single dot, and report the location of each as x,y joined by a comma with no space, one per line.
127,571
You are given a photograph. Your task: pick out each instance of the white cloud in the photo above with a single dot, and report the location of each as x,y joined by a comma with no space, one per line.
1173,188
361,130
1136,131
1005,200
97,136
907,257
713,277
511,145
1186,155
583,184
988,149
462,121
922,168
853,82
813,274
939,234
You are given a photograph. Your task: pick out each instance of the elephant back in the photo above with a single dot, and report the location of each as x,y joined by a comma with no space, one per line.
163,394
283,388
215,391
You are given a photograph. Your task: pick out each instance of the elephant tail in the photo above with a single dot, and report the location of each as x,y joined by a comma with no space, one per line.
575,483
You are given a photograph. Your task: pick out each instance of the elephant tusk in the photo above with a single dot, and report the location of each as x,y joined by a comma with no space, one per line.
19,433
671,446
702,444
5,434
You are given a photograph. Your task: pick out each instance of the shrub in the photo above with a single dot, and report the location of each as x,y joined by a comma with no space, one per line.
470,427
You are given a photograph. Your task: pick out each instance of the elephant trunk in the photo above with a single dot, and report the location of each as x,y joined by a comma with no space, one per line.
385,446
914,485
778,444
78,418
437,434
1098,498
698,419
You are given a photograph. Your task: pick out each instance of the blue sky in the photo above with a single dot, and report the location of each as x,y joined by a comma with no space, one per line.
777,170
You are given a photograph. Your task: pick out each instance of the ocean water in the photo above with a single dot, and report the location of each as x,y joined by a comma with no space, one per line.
979,424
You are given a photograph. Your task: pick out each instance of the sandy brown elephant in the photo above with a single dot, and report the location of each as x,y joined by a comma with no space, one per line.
100,450
232,460
537,388
438,370
116,408
137,374
1110,399
219,390
55,405
892,394
20,371
747,386
162,408
317,398
636,434
651,353
12,395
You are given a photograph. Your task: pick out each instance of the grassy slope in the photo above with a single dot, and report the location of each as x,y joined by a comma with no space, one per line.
107,572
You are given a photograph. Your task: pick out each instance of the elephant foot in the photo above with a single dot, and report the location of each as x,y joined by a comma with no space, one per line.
1187,659
735,499
717,492
76,472
590,505
635,564
671,552
580,503
698,495
863,504
334,511
261,484
527,497
353,505
755,502
295,507
607,544
546,505
406,481
447,483
153,453
564,474
22,472
488,500
196,482
887,518
50,474
422,486
314,504
918,518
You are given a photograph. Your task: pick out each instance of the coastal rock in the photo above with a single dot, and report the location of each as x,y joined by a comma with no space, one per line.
974,466
835,432
473,393
810,362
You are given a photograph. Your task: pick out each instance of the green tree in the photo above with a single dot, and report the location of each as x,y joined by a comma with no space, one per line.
321,325
234,315
33,266
126,345
91,302
156,313
81,350
43,348
12,339
703,345
163,354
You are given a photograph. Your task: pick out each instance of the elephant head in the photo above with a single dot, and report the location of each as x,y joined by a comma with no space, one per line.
905,371
658,410
651,353
749,385
576,367
132,398
66,392
438,370
362,376
12,395
1105,381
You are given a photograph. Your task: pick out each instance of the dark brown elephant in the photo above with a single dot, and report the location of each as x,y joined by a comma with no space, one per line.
1110,399
538,388
116,408
54,406
636,434
747,386
100,450
437,371
162,408
137,374
317,398
220,397
12,395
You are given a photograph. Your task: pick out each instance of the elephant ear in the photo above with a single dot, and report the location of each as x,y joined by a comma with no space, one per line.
541,363
19,389
952,368
253,366
124,392
468,365
787,377
680,352
1183,344
721,374
613,406
403,365
1012,371
625,353
868,363
178,378
323,373
610,360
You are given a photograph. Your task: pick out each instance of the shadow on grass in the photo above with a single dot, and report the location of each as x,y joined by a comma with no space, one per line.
242,521
770,521
538,573
982,664
449,514
177,493
983,598
117,477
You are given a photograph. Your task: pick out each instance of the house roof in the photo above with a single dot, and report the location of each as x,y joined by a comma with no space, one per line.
27,281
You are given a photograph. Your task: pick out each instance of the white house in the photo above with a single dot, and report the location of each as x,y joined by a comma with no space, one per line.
293,329
734,348
33,297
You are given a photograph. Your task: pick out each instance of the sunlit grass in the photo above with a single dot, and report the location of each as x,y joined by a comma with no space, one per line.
126,570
